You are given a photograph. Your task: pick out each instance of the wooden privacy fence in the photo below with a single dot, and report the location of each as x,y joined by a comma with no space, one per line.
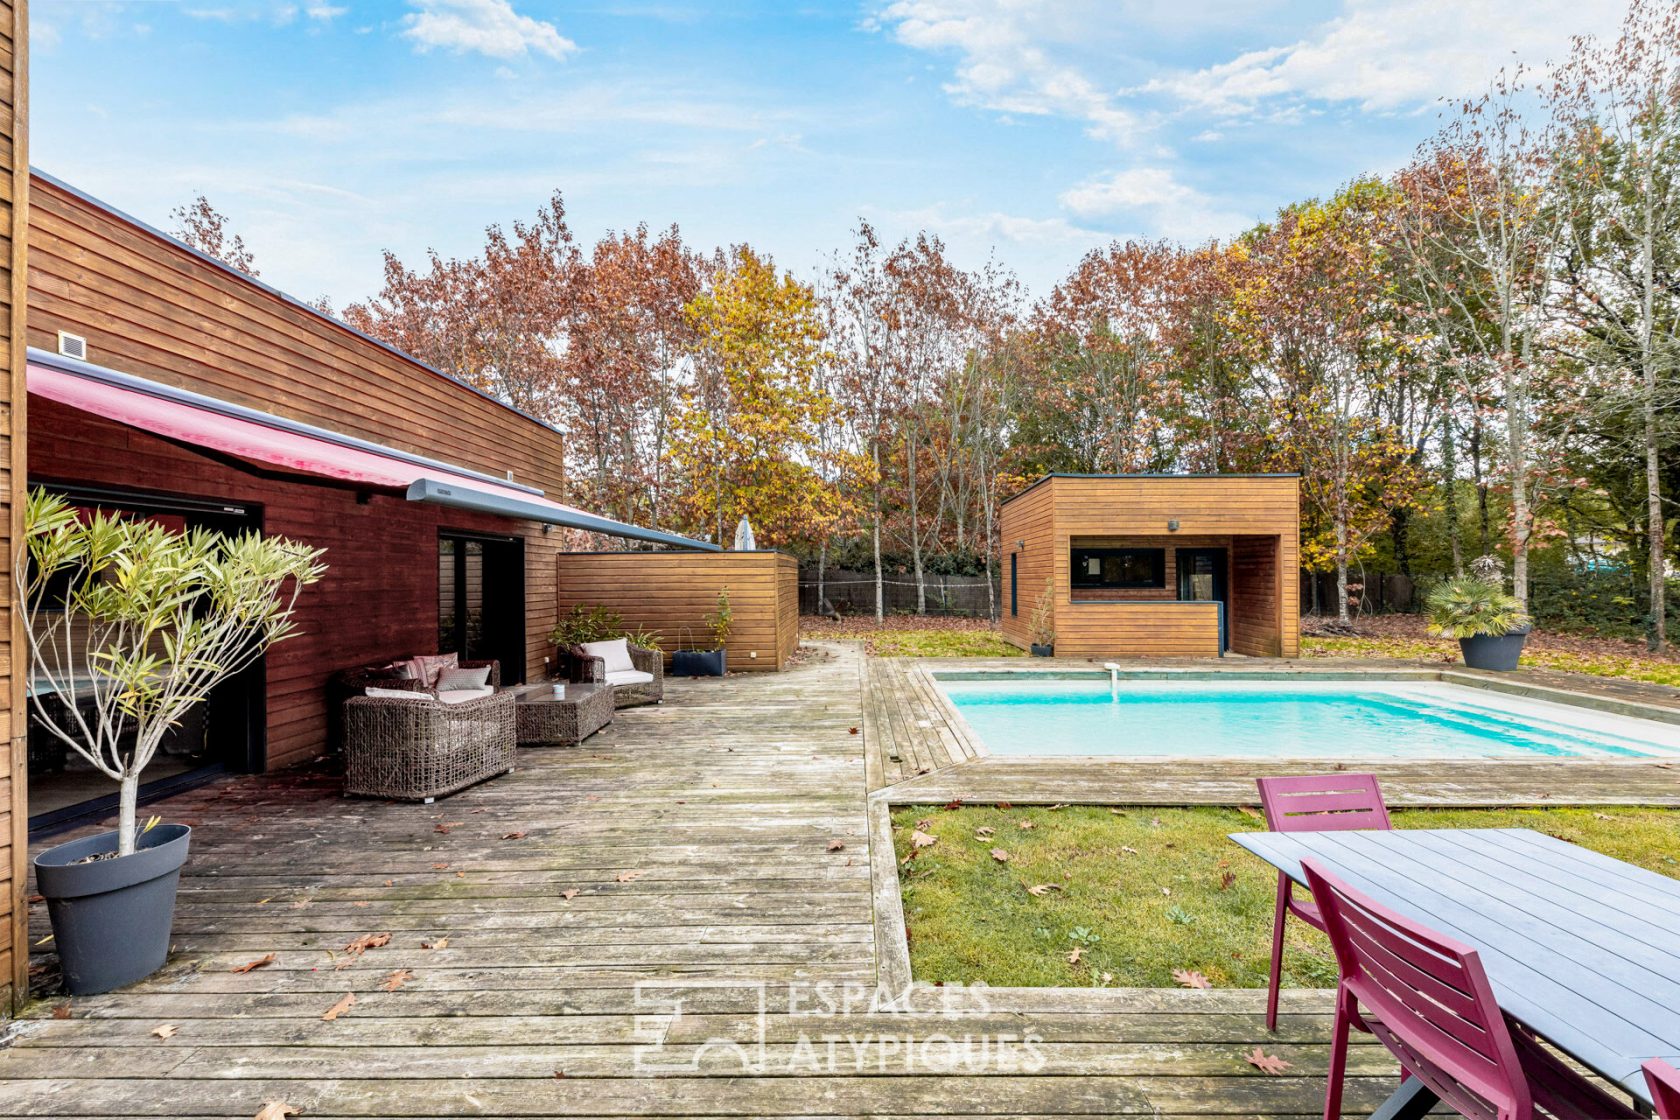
674,593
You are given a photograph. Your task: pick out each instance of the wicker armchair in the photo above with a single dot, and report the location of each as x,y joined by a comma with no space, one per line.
584,669
418,750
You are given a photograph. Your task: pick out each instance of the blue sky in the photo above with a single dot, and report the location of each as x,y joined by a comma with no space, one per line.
329,130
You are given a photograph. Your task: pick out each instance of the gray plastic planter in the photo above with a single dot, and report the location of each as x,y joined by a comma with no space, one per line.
111,919
699,663
1499,652
1043,650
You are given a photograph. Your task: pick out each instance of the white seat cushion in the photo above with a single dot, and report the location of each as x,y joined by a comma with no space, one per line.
462,695
396,694
615,654
629,676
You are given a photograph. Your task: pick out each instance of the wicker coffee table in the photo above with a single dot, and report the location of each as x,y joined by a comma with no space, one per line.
549,722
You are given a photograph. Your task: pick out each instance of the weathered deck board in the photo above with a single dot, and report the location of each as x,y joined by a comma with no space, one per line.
723,802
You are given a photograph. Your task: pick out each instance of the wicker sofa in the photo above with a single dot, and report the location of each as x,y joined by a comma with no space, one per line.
420,748
580,667
348,683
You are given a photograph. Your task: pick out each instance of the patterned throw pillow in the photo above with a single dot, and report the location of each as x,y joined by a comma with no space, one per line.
451,680
429,667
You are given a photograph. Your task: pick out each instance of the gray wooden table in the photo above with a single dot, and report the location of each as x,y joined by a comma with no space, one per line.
1582,949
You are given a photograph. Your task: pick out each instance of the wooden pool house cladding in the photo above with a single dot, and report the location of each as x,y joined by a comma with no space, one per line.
1155,565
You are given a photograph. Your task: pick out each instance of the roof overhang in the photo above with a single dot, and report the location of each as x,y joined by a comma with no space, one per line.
275,444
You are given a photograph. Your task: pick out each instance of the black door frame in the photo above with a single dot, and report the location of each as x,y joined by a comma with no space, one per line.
504,611
1221,584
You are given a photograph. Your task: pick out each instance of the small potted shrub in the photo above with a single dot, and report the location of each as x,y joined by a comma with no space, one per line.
1041,625
585,624
139,623
713,662
1490,625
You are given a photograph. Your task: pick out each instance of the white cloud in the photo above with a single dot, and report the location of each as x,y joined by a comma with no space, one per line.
1012,57
1387,55
1153,198
324,13
488,27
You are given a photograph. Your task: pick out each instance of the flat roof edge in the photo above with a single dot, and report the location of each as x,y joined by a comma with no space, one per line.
1043,479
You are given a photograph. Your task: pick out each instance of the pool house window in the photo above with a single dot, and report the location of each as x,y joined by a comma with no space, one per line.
1119,567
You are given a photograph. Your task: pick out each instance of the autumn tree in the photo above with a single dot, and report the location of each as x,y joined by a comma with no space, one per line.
205,228
747,438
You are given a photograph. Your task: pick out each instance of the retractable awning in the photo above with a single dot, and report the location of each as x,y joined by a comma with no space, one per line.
273,442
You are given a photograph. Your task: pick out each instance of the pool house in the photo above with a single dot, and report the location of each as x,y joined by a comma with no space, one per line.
1154,565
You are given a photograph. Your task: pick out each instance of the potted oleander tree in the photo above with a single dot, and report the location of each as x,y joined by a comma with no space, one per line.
1490,625
1042,624
133,624
713,662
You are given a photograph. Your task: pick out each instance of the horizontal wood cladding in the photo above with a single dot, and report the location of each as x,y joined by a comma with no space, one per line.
672,593
150,308
1140,629
379,598
14,213
1041,525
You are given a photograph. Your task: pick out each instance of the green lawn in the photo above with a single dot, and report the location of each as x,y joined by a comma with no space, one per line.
1600,658
1145,891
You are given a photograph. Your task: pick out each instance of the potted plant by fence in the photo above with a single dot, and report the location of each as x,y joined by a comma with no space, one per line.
712,662
130,625
1041,625
1490,625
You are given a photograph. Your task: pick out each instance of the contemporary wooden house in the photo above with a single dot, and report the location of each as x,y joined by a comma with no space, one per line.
1155,565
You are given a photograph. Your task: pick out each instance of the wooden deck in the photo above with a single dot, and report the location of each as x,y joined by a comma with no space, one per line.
699,838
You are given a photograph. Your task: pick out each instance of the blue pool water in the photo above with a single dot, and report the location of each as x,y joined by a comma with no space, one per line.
1323,720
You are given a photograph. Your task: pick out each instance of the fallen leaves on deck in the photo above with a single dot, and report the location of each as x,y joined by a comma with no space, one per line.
440,943
397,979
165,1030
836,845
1189,978
513,836
569,893
629,876
277,1110
367,941
340,1007
252,966
1269,1064
61,1010
444,828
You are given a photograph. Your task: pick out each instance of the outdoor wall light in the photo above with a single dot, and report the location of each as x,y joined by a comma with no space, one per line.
1020,546
1172,526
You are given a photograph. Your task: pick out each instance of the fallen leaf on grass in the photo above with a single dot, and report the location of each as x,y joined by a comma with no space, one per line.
1026,826
1042,889
340,1007
440,943
1057,807
953,804
1269,1064
569,893
1188,978
513,836
923,840
397,979
1000,855
983,832
1227,880
629,876
367,941
1074,957
1004,805
165,1030
1127,849
252,966
1251,811
277,1110
836,845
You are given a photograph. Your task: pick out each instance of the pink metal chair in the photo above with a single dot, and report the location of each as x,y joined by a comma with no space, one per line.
1664,1082
1427,998
1315,803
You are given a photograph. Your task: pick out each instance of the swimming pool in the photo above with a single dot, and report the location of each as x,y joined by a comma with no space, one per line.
1291,719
